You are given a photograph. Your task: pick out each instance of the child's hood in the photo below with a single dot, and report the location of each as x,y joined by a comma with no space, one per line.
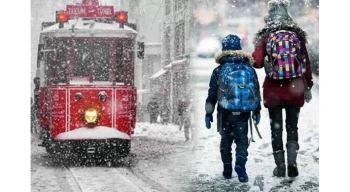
231,53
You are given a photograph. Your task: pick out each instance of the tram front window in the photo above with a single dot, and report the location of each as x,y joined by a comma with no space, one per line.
101,64
83,59
92,59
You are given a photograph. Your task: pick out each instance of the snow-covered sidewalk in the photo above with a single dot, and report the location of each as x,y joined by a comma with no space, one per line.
170,132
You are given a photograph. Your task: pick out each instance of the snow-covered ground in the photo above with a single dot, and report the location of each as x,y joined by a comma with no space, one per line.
160,132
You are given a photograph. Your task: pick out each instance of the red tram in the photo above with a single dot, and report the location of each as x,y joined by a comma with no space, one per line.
85,77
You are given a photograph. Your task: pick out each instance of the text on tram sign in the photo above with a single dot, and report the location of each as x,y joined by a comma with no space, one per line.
89,11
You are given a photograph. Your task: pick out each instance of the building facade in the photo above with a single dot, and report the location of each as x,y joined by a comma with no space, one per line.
147,15
164,27
176,38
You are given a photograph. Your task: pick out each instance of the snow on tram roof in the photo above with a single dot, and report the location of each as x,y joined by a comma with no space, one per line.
86,27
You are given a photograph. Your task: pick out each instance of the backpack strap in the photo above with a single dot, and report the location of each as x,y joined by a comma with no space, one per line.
301,57
251,139
269,50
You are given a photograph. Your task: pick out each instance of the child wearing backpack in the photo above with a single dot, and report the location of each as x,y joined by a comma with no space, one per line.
235,87
280,49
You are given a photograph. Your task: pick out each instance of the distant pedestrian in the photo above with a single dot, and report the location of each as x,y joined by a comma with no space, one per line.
139,112
35,106
32,117
165,115
184,111
153,110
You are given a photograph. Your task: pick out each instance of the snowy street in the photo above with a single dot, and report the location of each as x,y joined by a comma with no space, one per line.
161,160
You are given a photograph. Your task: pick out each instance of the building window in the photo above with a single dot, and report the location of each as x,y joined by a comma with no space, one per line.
153,61
167,7
180,38
180,4
145,75
167,44
133,8
150,65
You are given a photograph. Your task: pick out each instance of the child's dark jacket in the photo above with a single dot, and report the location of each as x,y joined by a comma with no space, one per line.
235,57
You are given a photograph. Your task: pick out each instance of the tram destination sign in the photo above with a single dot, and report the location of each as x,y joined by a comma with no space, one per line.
86,11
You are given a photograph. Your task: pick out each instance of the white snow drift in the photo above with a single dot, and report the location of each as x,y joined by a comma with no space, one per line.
99,132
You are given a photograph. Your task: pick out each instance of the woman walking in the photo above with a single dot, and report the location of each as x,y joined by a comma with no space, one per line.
280,49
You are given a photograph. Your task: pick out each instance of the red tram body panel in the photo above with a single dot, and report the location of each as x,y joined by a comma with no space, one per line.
66,111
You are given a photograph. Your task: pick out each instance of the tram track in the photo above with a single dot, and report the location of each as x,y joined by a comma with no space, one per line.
54,173
127,177
138,173
58,176
75,180
111,179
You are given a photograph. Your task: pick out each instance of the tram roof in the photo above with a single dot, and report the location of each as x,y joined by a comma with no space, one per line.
88,28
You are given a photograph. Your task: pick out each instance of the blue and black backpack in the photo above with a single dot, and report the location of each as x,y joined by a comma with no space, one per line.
238,87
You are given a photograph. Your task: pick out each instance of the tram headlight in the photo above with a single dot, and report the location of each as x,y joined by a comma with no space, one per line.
91,115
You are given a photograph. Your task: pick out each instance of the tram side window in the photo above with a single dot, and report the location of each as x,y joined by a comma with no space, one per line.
101,64
51,68
83,59
62,63
119,61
